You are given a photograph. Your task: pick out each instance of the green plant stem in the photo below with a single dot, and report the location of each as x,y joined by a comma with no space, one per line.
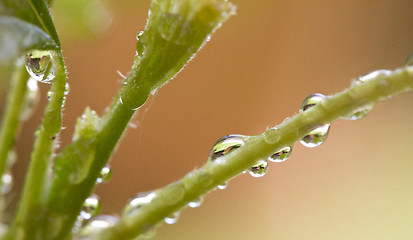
114,124
177,195
31,208
11,120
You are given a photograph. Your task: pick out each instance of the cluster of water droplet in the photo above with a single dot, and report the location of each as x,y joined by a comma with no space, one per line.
40,66
105,174
227,144
317,136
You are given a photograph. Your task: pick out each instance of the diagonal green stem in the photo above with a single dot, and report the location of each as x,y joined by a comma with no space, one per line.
177,195
31,208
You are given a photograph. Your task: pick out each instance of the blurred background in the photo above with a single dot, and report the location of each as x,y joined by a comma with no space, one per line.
253,74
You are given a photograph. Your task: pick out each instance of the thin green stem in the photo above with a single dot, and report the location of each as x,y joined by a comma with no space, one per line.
31,208
176,196
10,123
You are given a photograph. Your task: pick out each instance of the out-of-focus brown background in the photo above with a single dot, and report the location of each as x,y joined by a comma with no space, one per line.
253,73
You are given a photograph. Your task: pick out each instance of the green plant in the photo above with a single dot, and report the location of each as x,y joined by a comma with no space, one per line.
46,212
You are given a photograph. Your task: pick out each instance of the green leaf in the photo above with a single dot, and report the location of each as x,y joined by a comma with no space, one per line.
25,25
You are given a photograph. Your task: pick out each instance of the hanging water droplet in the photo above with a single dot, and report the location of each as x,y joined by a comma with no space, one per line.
105,174
225,145
364,110
409,61
222,186
316,137
281,155
195,203
140,200
31,99
40,66
311,101
6,183
91,207
259,169
173,218
96,225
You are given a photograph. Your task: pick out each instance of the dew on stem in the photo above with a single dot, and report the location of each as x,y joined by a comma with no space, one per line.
226,145
319,135
96,225
137,202
40,66
195,203
105,174
91,207
172,219
259,169
365,109
281,155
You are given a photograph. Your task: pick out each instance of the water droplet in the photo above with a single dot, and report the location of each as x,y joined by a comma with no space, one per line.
6,183
311,101
173,218
91,207
364,110
105,174
49,95
139,46
281,155
31,99
316,137
225,145
96,225
67,89
372,75
259,169
195,203
222,186
140,200
409,61
39,65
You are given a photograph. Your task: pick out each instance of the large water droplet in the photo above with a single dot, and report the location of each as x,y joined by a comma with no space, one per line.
195,203
259,169
40,66
173,218
6,183
31,99
140,200
281,155
105,174
225,145
409,61
316,137
96,225
91,207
